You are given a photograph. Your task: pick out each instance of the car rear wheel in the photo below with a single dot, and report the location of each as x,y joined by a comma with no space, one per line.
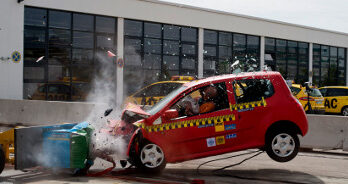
152,158
345,111
282,145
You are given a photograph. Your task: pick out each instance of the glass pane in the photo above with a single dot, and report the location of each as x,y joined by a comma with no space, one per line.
188,49
105,24
83,40
35,17
170,63
341,53
82,56
224,67
82,73
58,19
209,51
105,42
333,51
292,47
34,73
58,73
59,37
152,62
324,65
58,92
83,22
152,30
188,63
253,42
80,91
281,46
132,60
188,34
171,32
239,41
225,52
270,44
58,55
209,67
132,46
31,55
316,49
225,38
152,46
170,47
151,76
210,37
34,91
34,36
133,28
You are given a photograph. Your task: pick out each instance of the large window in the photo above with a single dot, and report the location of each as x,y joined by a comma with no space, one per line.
222,49
290,58
155,52
329,65
64,52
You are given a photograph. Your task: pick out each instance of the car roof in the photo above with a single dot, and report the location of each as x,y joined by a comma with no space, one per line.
232,76
342,87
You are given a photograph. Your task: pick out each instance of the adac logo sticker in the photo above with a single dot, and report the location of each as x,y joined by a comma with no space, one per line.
16,57
219,125
211,142
230,127
220,140
231,136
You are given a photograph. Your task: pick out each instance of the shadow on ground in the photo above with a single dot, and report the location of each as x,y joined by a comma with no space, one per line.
172,176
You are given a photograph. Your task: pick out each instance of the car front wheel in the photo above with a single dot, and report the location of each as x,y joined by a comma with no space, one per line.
282,146
345,111
152,158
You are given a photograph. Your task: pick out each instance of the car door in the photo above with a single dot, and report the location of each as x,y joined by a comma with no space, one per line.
250,95
198,133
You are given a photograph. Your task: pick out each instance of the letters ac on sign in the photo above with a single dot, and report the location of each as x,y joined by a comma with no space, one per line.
332,104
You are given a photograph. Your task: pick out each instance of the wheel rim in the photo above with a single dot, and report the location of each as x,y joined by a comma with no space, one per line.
345,111
152,156
283,145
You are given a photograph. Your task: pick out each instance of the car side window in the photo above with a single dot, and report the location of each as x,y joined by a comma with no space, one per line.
210,98
250,90
150,91
169,87
323,92
336,92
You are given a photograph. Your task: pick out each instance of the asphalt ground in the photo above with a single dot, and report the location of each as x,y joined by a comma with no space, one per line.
307,167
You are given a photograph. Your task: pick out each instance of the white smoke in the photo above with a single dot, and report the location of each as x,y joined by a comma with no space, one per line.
103,95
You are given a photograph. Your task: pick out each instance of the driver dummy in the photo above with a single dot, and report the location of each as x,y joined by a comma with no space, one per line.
204,104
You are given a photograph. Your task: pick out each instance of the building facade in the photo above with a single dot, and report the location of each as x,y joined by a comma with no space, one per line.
53,50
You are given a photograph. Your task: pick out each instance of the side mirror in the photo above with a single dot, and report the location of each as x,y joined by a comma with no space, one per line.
170,114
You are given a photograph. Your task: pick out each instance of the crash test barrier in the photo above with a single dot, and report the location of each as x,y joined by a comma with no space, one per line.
325,131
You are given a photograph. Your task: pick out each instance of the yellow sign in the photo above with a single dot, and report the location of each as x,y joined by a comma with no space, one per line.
16,57
219,125
220,140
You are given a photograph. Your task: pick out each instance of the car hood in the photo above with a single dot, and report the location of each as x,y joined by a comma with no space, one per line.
135,109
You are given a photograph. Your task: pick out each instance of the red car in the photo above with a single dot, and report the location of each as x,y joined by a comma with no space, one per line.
217,115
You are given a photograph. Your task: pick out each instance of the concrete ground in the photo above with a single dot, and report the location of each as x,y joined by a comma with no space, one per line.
307,167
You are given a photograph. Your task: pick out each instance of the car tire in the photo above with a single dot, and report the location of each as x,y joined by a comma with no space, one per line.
151,158
282,145
2,159
345,111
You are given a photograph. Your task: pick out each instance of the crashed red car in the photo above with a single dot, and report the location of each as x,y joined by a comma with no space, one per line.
248,110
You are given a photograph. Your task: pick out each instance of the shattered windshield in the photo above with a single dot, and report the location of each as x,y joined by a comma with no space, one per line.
166,100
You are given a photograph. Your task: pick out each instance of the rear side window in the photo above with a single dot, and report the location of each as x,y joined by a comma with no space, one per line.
250,90
323,91
337,92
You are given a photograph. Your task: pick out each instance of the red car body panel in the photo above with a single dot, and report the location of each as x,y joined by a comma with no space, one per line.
232,129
